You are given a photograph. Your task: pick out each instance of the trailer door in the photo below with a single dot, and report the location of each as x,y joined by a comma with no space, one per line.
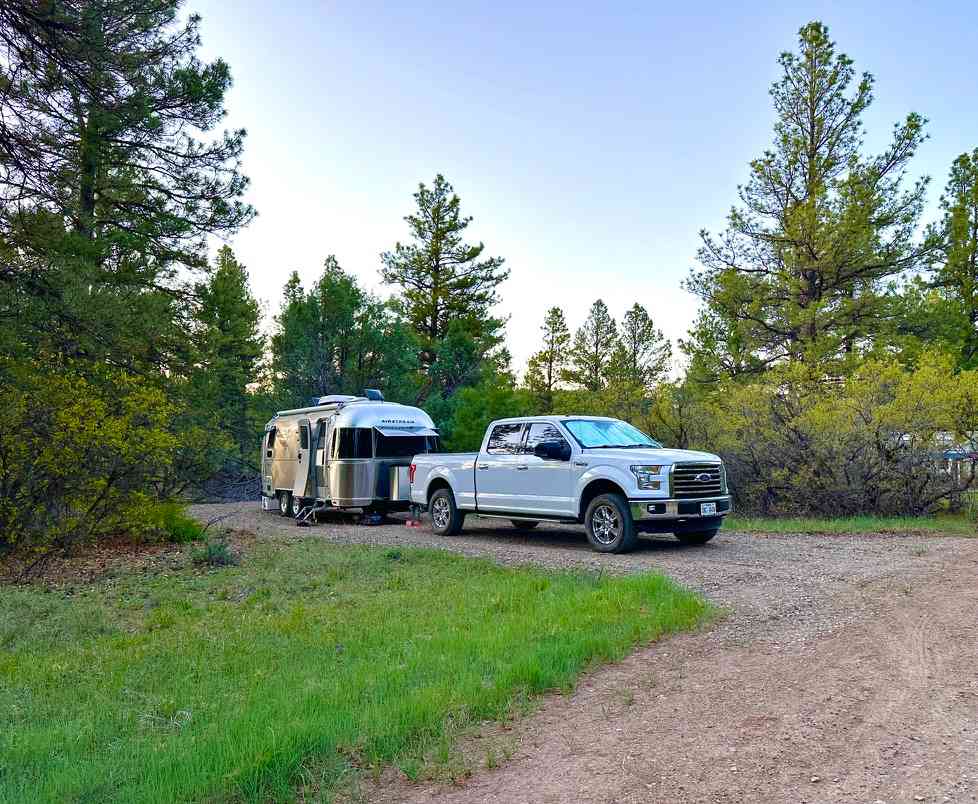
267,447
304,457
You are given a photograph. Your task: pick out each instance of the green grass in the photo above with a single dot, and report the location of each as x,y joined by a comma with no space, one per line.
304,662
958,526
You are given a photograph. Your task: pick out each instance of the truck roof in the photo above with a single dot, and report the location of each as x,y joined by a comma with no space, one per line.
552,417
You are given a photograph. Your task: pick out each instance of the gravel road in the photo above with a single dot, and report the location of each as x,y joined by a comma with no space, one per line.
845,670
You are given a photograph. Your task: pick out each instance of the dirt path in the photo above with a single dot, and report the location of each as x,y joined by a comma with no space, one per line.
846,671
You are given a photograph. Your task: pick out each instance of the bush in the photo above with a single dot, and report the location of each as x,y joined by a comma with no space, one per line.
873,443
174,524
79,454
215,553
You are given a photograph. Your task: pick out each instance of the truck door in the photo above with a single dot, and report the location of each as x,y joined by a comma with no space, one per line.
304,459
498,477
548,486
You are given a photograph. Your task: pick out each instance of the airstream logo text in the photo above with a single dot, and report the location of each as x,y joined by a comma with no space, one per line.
398,421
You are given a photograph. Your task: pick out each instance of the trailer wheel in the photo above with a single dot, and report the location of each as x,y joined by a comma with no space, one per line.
295,506
284,503
609,524
446,519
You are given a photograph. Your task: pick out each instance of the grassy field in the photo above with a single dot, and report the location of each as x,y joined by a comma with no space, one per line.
307,660
958,526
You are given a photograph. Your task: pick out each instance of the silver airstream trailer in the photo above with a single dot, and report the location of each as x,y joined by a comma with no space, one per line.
346,452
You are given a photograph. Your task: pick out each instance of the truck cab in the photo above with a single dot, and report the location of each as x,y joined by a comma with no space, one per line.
594,470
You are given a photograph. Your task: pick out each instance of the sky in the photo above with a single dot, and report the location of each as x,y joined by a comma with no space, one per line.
590,142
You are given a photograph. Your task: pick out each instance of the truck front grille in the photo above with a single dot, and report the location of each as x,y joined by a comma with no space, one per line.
691,480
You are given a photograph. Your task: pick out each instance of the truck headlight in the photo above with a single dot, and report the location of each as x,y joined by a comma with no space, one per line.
648,477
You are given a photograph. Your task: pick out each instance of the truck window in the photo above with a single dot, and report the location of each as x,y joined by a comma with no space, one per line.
542,431
354,442
505,439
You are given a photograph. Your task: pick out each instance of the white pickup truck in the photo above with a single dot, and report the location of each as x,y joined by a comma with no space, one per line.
591,469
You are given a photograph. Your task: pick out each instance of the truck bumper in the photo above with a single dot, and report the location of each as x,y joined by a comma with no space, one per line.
671,515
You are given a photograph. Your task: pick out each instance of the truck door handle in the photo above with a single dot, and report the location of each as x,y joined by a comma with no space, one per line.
522,468
580,463
483,466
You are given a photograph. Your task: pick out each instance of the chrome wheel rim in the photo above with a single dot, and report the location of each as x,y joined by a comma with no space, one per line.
283,504
606,524
441,512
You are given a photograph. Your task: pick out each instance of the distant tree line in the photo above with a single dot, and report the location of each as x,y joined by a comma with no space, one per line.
833,363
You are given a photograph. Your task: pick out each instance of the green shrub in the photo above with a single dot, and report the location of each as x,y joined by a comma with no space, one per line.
173,522
215,553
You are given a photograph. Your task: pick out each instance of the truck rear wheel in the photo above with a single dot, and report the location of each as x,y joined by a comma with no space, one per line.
609,524
446,519
696,536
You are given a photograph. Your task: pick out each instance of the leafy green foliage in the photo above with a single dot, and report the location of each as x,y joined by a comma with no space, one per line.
215,552
80,454
194,685
874,443
496,397
545,367
592,350
172,520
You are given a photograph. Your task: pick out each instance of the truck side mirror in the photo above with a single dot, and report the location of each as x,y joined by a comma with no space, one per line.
552,450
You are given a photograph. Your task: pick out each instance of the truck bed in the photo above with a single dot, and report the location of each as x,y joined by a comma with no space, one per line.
456,468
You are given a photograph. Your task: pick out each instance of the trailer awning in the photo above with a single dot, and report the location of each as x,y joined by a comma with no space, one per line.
392,431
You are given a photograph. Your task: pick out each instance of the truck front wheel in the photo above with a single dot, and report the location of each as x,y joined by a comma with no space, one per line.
446,519
609,525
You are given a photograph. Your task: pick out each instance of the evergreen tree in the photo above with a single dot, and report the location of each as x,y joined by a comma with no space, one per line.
337,338
109,177
643,354
592,350
956,275
229,348
545,366
801,271
447,285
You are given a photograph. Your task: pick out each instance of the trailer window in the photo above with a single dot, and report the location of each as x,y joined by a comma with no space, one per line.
304,436
271,438
404,446
354,442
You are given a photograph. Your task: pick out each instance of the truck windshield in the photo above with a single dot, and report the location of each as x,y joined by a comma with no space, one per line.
607,433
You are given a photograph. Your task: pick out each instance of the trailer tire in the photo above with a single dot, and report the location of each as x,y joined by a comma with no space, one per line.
446,519
295,506
609,524
284,503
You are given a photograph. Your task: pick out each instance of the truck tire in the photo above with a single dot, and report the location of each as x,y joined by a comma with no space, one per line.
609,525
696,536
284,503
524,524
446,519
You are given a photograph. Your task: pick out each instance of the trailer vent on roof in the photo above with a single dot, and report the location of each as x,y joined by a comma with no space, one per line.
373,394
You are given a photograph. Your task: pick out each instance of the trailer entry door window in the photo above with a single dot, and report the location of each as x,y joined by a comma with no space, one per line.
304,436
354,442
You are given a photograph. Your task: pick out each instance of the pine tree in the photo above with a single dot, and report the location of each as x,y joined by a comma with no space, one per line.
592,350
957,271
229,348
643,354
446,283
801,271
110,176
545,366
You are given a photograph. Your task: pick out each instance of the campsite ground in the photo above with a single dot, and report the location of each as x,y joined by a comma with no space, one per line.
846,670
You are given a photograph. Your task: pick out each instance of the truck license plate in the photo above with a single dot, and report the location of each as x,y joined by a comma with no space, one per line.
708,509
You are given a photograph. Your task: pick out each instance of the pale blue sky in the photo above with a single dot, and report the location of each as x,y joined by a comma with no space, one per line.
590,142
